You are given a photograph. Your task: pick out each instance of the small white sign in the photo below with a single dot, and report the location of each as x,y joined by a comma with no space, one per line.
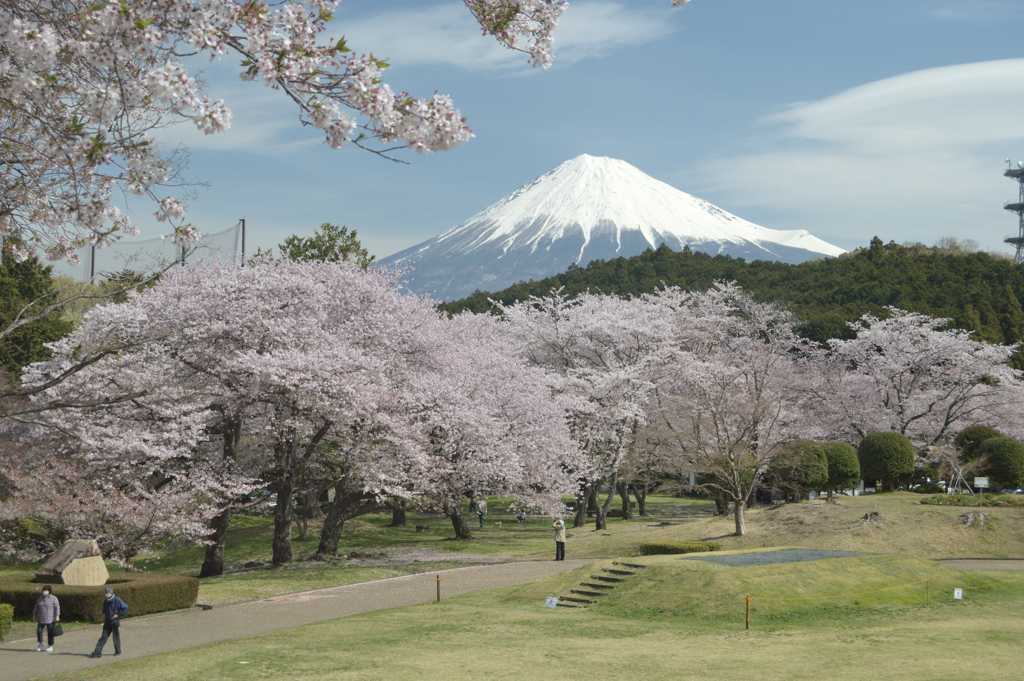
551,602
958,594
981,482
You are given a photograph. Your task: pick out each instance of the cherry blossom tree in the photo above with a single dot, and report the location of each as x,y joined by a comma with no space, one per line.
736,393
911,375
604,354
493,425
282,370
282,350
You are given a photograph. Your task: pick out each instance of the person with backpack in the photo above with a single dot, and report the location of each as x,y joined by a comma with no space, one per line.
46,614
113,610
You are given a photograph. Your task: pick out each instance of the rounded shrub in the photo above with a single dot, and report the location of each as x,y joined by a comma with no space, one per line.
969,439
660,548
144,593
6,619
800,467
886,456
1003,461
843,466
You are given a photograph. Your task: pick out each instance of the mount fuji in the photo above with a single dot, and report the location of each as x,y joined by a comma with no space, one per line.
588,208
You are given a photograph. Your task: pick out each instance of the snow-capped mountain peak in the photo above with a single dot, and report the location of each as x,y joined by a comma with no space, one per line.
585,209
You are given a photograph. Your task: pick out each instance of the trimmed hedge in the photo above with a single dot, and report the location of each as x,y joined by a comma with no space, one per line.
143,592
1004,461
843,465
660,548
971,438
886,456
800,467
6,618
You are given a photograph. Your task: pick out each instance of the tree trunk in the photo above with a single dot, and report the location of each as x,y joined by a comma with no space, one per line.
231,430
741,526
601,522
214,563
398,514
330,535
283,513
581,508
593,501
312,504
454,511
721,505
627,513
641,499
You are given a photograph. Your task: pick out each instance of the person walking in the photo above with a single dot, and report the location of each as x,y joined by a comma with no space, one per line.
559,539
113,610
45,615
481,510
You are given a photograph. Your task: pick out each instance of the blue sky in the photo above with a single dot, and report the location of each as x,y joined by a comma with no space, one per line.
847,119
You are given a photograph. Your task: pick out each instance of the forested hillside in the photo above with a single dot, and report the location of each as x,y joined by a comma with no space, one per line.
980,292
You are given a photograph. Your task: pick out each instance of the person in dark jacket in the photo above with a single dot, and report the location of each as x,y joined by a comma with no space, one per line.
46,614
113,610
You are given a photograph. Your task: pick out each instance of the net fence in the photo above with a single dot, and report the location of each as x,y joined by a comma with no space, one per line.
148,255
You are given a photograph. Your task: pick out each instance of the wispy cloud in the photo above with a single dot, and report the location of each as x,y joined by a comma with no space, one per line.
910,158
446,34
263,121
975,10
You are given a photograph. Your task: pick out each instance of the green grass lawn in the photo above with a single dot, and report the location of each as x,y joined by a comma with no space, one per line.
907,528
506,633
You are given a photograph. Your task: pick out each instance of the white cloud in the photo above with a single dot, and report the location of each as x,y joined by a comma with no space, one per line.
974,10
446,34
912,157
263,121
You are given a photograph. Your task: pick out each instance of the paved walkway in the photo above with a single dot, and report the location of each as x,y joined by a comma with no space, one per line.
186,628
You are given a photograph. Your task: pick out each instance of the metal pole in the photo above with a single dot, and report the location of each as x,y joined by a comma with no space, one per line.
92,264
243,242
439,588
748,612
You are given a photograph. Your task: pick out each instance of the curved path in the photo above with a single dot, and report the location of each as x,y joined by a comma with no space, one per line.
186,628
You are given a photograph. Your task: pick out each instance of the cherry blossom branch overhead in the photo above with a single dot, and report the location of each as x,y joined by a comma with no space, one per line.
84,86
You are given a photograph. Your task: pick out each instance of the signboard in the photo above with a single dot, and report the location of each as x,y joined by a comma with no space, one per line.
958,594
551,602
981,483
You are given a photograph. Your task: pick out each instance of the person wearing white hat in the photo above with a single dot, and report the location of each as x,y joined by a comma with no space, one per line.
559,539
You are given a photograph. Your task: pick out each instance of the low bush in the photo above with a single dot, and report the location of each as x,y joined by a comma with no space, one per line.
660,548
928,488
6,618
144,593
1003,500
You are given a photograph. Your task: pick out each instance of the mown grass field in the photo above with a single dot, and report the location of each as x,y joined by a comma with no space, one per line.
506,633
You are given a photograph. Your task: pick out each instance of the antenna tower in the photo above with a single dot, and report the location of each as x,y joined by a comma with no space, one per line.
1017,241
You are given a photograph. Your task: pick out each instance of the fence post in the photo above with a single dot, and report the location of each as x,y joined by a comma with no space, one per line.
439,588
748,612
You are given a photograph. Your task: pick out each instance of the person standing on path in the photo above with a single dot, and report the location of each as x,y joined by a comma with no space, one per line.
559,539
481,510
113,610
45,615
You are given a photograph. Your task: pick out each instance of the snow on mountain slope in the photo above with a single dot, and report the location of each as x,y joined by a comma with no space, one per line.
586,209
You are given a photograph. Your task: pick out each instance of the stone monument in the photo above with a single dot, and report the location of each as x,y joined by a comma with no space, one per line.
77,563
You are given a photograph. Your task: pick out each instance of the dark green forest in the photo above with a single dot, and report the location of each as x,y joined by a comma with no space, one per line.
978,291
20,284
